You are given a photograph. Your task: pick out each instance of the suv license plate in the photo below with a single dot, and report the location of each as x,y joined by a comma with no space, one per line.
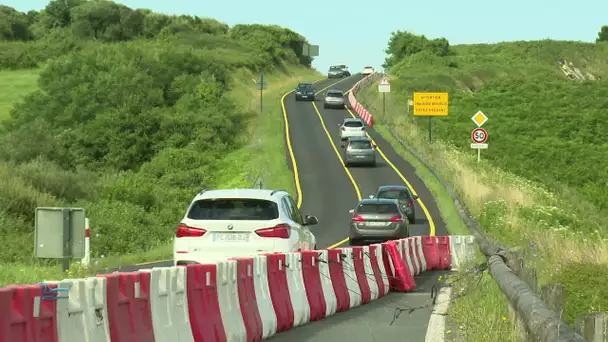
376,224
231,237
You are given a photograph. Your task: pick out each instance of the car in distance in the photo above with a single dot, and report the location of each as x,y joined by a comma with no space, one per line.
334,99
221,224
377,219
403,195
305,91
351,127
338,71
359,150
368,70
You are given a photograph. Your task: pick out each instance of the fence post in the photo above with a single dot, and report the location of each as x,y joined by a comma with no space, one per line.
592,327
554,296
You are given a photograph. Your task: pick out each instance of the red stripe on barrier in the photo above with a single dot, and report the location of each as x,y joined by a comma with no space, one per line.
359,266
247,300
87,233
17,311
203,304
403,279
312,284
279,291
338,280
376,269
445,258
128,300
430,248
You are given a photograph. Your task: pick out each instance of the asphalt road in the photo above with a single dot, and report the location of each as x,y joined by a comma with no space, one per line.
329,193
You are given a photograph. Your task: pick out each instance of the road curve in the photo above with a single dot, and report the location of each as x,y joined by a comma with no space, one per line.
329,191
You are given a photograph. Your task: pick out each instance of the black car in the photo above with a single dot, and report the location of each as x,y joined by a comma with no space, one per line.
401,193
305,91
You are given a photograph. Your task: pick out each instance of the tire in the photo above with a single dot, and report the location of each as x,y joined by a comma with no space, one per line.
354,242
313,99
411,219
325,105
314,248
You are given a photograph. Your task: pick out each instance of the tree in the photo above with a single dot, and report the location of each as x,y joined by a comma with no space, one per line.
402,44
14,25
602,36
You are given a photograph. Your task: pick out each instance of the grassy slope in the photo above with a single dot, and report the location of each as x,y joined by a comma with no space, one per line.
565,240
264,151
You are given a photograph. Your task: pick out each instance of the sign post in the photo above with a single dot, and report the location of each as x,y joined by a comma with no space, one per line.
60,234
479,135
384,87
261,85
310,50
430,104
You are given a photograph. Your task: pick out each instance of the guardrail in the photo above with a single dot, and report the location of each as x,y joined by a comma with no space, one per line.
240,299
506,267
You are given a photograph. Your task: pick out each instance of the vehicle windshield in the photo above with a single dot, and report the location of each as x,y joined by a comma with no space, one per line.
334,94
368,67
398,194
360,145
378,208
335,67
234,209
353,124
304,86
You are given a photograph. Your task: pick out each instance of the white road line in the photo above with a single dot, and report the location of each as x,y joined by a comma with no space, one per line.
436,329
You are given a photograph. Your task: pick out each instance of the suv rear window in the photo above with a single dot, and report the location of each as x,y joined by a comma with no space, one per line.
334,94
360,145
353,124
378,208
305,86
397,194
234,209
335,67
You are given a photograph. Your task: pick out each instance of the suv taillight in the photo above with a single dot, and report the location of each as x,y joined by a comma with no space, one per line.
186,231
357,218
396,218
282,231
410,203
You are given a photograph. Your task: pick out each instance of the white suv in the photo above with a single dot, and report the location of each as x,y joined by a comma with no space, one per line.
352,127
221,224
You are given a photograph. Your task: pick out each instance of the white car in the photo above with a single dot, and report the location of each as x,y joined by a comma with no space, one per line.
352,127
368,70
221,224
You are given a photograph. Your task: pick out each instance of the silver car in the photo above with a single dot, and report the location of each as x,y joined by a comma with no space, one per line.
351,127
377,220
334,99
359,150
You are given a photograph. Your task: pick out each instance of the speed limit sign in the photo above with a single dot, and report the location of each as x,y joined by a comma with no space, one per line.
479,135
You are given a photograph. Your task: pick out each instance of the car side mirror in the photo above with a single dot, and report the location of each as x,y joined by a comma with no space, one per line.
352,211
415,197
371,196
310,220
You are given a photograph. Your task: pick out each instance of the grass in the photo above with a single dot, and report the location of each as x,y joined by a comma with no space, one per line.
14,84
553,207
263,155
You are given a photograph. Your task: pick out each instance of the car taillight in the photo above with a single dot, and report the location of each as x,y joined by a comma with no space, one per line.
357,218
281,231
410,203
396,218
186,231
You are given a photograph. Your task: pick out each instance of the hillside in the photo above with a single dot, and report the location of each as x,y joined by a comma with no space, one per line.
128,113
543,183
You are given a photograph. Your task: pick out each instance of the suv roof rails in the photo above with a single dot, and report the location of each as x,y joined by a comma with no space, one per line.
276,190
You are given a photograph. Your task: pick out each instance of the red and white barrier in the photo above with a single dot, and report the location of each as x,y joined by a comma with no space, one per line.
357,107
243,299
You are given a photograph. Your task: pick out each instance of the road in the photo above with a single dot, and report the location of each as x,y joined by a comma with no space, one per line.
328,192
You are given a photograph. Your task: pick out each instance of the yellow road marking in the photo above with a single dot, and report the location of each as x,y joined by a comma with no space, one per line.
422,205
296,175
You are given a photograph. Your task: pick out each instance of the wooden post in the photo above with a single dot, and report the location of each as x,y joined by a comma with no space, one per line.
554,296
593,327
516,260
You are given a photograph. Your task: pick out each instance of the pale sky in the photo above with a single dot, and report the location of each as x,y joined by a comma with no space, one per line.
356,32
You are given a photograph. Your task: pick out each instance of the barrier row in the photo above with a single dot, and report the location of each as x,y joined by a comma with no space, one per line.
241,299
357,107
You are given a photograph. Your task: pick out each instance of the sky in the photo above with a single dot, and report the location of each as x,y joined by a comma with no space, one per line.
356,33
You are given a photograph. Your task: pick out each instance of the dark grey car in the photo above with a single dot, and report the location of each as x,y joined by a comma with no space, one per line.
402,194
359,150
337,71
305,91
376,220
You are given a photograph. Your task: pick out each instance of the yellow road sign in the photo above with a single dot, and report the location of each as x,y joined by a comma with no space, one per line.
479,118
431,104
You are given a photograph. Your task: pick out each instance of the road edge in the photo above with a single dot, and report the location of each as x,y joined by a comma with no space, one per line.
436,330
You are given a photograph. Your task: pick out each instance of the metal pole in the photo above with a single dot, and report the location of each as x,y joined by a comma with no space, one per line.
261,91
67,245
478,155
383,105
430,130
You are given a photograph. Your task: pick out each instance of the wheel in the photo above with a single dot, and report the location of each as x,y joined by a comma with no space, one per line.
354,242
412,219
313,98
325,105
315,248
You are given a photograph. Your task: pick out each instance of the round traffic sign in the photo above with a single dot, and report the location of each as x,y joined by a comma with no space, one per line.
479,135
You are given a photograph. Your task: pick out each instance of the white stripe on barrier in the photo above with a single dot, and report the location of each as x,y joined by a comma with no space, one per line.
369,274
404,248
297,291
354,291
331,303
462,250
227,291
418,242
262,296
